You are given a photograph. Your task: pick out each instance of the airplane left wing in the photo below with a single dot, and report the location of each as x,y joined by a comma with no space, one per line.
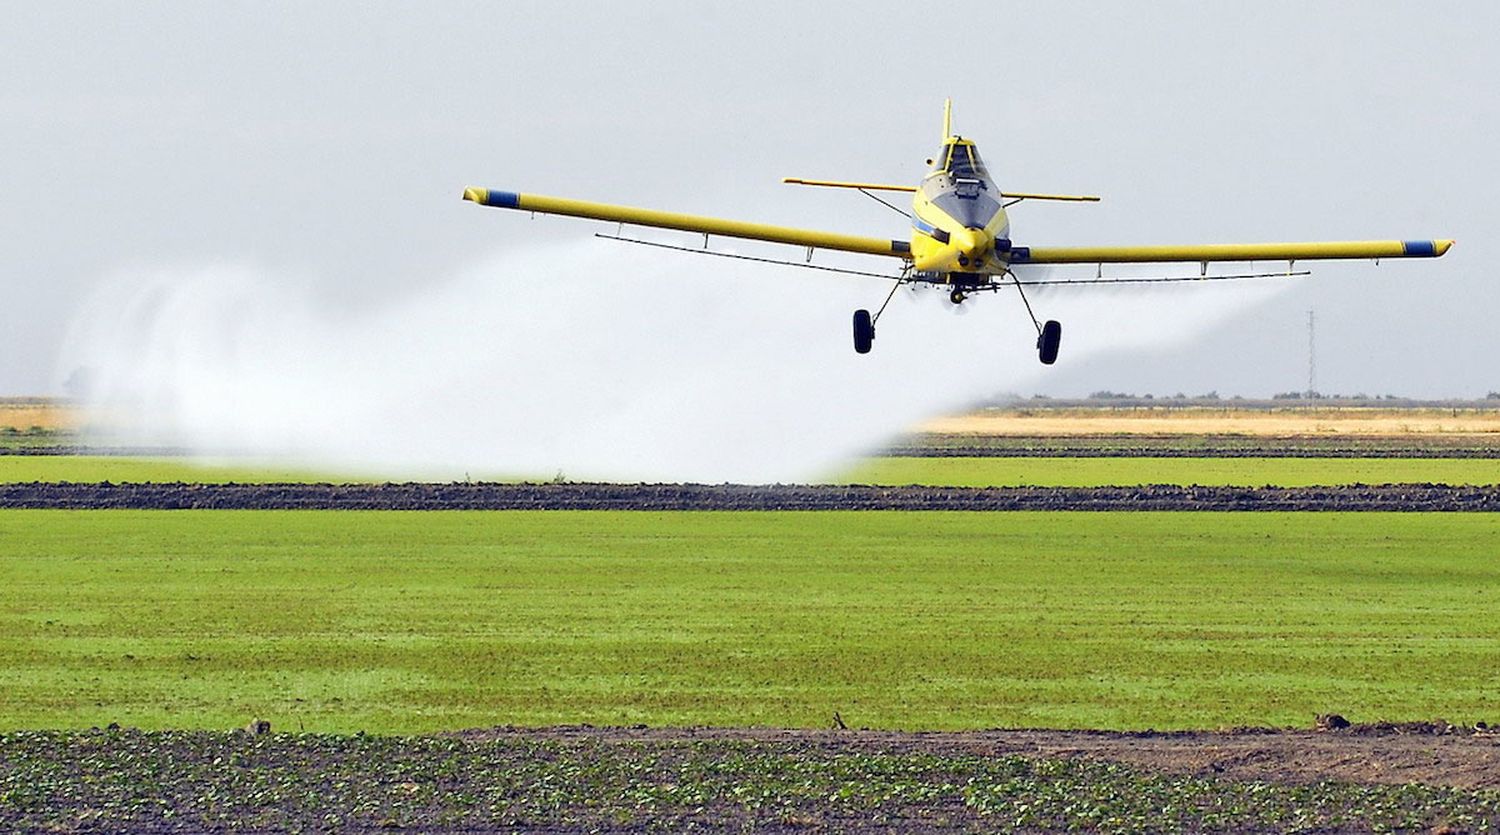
689,223
1309,251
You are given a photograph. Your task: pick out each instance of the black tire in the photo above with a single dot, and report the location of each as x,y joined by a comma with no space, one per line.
1048,342
864,332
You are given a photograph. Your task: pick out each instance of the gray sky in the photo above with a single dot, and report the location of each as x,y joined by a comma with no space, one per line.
327,144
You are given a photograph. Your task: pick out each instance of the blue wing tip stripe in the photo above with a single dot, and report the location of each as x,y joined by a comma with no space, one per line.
502,199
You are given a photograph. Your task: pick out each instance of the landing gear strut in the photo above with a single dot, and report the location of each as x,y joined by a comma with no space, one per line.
864,323
1048,336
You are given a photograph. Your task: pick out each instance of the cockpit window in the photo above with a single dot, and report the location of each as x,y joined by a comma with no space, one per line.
962,161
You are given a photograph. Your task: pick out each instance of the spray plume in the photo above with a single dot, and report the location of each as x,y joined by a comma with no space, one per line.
585,359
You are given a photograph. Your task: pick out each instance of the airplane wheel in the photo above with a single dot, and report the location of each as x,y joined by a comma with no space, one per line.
957,297
1048,342
864,332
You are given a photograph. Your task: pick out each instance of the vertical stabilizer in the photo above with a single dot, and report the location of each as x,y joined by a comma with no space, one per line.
947,119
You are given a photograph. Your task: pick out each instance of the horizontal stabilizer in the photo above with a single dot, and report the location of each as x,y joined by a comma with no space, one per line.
1071,198
798,181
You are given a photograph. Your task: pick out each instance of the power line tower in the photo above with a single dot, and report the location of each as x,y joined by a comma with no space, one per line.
1312,356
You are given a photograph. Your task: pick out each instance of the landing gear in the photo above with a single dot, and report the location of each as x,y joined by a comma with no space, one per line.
1048,340
864,323
864,332
1048,334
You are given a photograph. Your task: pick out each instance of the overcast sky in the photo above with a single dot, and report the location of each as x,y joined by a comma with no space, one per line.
328,144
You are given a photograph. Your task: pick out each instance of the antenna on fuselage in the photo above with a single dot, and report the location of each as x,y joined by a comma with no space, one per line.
947,120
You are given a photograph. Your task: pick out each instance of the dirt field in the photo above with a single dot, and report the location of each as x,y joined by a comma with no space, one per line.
1421,778
1430,753
1292,422
462,496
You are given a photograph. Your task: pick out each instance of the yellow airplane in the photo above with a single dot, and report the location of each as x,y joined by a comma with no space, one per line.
960,238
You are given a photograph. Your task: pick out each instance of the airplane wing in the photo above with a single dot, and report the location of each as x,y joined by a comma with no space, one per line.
1309,251
689,223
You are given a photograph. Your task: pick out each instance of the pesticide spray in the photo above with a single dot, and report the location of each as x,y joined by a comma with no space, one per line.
585,360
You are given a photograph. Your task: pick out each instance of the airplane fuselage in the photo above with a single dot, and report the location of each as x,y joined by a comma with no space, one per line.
959,224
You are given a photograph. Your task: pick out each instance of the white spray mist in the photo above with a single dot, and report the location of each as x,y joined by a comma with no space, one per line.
591,359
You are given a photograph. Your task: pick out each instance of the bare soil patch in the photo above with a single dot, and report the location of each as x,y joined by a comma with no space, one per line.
1390,779
662,497
1430,753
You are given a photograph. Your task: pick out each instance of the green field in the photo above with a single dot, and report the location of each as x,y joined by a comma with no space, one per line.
1243,472
957,472
410,622
89,469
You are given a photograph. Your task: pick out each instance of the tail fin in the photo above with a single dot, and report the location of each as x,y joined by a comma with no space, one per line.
947,119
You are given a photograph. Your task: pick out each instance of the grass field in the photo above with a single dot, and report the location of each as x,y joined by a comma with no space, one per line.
88,469
957,472
1097,472
409,622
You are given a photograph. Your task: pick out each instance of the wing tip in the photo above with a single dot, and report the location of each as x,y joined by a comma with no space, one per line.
1426,249
491,197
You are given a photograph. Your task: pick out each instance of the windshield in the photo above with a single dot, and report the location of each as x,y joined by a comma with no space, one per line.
962,161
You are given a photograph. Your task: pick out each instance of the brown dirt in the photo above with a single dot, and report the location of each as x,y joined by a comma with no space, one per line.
1431,753
661,497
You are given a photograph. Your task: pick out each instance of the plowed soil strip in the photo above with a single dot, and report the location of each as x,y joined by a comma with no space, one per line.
593,780
1429,753
659,497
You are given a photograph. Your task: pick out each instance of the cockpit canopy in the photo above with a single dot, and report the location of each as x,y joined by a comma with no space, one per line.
960,160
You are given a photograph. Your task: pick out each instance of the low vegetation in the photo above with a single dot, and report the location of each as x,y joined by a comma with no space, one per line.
967,471
92,469
132,781
1100,472
414,622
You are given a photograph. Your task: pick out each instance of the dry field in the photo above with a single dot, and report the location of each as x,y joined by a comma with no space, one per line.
23,413
1291,422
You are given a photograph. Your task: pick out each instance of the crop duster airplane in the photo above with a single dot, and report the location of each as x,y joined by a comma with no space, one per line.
960,238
